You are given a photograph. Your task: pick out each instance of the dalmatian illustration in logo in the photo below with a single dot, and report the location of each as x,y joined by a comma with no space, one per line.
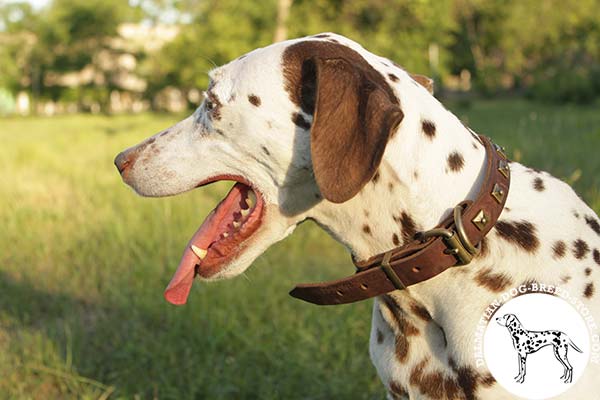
527,342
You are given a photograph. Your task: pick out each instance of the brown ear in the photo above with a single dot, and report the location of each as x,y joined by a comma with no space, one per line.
352,122
424,81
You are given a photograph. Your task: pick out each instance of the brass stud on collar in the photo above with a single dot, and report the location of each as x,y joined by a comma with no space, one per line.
500,150
480,220
503,168
498,193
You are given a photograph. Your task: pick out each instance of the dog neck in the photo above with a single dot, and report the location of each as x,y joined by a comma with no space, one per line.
431,163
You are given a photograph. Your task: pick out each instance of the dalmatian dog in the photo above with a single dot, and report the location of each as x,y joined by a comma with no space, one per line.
528,342
318,128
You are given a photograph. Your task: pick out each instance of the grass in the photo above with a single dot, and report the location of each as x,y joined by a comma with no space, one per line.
84,262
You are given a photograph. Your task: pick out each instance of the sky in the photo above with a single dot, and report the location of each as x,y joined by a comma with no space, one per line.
38,3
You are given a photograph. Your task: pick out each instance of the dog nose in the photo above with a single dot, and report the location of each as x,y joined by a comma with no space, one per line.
123,160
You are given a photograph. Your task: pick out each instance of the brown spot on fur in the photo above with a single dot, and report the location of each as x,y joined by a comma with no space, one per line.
424,81
420,311
565,278
265,150
299,120
401,348
390,186
576,214
433,384
455,161
404,327
366,229
379,335
468,380
488,380
538,184
492,281
397,391
393,77
593,223
416,175
589,290
559,248
580,249
596,255
165,132
395,239
521,233
587,271
254,100
428,128
533,170
409,227
321,35
215,111
375,177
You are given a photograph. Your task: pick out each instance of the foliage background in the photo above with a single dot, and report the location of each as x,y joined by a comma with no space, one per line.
549,49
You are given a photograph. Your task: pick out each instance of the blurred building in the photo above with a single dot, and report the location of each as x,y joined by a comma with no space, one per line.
115,68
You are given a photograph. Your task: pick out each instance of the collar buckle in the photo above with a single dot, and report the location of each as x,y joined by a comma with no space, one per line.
456,240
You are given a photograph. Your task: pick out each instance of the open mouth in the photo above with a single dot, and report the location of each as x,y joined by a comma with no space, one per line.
221,237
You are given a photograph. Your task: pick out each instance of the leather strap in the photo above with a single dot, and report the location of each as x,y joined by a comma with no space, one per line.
453,242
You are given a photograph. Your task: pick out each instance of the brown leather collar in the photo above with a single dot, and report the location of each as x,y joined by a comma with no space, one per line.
453,242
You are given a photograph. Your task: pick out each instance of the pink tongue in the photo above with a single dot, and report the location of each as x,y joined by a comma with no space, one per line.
179,288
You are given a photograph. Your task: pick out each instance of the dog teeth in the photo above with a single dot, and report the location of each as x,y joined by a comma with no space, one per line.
244,212
251,199
225,234
236,224
201,253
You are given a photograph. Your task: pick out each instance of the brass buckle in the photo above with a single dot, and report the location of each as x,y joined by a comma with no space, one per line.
457,242
387,268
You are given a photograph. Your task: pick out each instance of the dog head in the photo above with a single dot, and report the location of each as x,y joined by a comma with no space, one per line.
294,124
507,320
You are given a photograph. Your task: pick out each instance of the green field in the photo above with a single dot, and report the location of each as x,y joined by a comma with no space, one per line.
84,261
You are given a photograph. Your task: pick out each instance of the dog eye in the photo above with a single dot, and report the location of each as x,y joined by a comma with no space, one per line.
209,105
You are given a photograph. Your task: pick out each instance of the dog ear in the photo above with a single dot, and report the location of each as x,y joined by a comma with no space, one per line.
424,81
352,121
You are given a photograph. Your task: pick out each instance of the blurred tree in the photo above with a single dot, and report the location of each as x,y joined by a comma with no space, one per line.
398,29
475,45
62,37
283,12
224,29
551,48
221,31
16,42
555,49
